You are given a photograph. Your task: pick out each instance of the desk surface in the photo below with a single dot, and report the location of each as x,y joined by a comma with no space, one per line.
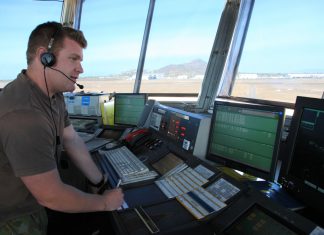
173,218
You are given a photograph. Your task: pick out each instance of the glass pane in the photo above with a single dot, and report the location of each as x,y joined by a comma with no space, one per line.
181,39
114,30
17,20
284,52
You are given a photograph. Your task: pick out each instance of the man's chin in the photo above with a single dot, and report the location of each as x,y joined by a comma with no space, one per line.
70,88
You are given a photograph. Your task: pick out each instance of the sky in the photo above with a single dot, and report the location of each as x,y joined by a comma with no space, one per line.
284,36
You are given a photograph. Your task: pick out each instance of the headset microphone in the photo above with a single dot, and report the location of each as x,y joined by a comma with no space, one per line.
79,85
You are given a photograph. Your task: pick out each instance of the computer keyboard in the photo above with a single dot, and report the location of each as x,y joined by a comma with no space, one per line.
127,166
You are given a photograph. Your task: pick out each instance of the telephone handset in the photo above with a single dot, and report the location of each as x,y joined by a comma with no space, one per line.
136,138
126,132
144,120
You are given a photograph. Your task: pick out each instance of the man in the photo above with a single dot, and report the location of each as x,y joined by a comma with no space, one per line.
35,128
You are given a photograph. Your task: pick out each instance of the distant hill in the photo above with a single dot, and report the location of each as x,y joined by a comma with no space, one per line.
191,69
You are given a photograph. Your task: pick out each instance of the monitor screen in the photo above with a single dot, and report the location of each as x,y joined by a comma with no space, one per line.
258,221
305,171
128,108
246,137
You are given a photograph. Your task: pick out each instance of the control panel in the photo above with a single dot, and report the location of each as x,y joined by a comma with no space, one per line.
188,131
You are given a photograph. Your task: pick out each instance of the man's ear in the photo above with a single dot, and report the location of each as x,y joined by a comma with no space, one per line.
39,52
47,58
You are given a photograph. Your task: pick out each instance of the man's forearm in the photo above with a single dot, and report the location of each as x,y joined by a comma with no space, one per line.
80,156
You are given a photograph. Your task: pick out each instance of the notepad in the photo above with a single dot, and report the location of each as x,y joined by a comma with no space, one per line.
167,163
200,203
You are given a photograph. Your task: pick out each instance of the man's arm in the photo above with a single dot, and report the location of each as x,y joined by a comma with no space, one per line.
78,152
51,192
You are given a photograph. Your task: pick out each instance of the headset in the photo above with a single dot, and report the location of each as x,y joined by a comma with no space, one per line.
48,58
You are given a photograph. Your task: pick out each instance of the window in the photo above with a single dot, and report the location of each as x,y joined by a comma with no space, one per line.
114,30
17,20
283,53
179,46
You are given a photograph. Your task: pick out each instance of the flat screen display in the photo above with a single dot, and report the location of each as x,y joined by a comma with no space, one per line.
246,137
308,155
128,108
256,221
305,171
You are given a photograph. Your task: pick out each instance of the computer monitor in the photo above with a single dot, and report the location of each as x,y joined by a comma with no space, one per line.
257,220
304,172
246,137
128,108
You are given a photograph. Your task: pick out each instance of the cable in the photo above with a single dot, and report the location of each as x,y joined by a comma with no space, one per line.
57,138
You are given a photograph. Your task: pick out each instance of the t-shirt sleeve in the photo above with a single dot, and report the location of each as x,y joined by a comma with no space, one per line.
28,143
67,121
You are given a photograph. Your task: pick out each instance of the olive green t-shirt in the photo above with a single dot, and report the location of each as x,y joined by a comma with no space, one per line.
29,125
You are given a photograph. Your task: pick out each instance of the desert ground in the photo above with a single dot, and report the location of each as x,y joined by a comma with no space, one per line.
269,89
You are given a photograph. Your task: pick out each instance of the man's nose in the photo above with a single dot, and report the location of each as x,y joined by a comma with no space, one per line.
80,68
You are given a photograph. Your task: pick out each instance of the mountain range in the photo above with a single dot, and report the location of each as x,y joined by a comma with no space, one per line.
191,69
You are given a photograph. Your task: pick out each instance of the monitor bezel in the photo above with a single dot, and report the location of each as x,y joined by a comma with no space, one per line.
306,194
124,94
256,172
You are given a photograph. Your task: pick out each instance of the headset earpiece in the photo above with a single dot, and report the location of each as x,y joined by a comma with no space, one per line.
48,59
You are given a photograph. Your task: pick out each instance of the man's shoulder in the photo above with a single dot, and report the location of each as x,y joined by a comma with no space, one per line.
20,94
13,98
15,89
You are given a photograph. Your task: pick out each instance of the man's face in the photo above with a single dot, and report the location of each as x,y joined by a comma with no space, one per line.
68,61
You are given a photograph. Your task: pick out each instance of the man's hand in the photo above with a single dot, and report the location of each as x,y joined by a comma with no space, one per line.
113,199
